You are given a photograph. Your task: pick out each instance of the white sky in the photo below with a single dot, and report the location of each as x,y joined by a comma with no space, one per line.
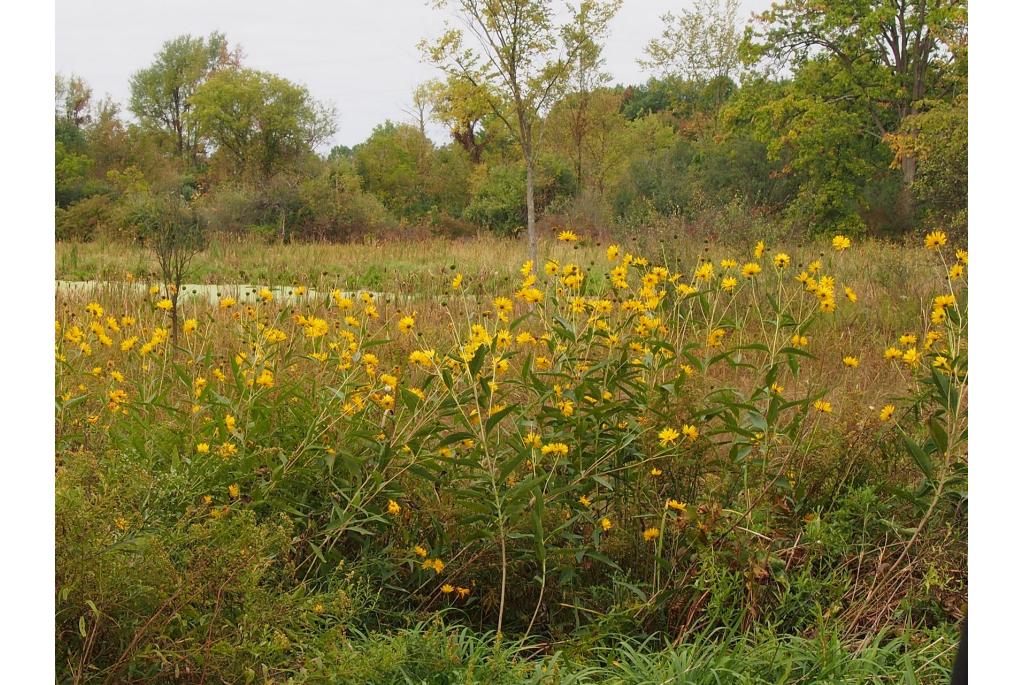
358,54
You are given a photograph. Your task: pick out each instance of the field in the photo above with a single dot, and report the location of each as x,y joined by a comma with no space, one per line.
657,460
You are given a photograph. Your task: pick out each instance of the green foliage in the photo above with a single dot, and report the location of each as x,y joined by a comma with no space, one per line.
84,220
856,124
497,197
335,206
937,136
400,166
161,94
258,123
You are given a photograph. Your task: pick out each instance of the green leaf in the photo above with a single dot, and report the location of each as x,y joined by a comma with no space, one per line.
922,460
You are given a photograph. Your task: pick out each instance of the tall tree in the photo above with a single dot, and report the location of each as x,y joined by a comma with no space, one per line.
460,104
161,94
73,99
700,44
419,107
521,58
588,31
261,124
895,53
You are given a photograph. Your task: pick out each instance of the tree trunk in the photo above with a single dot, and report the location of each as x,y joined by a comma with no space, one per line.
174,314
531,212
908,165
284,227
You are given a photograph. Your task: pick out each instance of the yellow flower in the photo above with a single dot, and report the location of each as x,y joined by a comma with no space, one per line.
393,507
655,471
584,500
911,357
462,592
612,253
956,271
227,303
203,448
908,339
852,362
777,389
229,422
424,358
406,324
651,534
95,309
886,413
729,284
568,237
962,256
227,449
799,340
266,379
316,328
759,249
690,432
555,448
823,406
531,295
893,353
750,269
190,325
674,504
420,551
503,306
457,282
447,588
704,272
233,491
715,337
935,240
728,263
265,294
781,260
164,304
841,242
850,295
668,436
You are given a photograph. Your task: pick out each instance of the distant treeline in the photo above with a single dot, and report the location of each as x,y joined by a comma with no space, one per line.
818,117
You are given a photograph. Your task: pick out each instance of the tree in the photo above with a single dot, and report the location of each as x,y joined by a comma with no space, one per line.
161,94
522,60
176,234
261,124
395,164
460,104
420,105
588,31
937,137
701,44
894,53
73,100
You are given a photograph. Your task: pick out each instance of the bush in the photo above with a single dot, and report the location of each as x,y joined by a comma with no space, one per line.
499,198
334,206
86,219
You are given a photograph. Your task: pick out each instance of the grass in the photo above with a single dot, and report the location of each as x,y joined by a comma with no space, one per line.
267,500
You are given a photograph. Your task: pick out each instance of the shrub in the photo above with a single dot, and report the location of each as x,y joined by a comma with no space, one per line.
85,220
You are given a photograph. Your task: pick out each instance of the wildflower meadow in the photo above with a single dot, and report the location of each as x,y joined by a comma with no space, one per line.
631,462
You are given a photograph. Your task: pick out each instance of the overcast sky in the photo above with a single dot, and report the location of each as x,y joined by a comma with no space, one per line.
358,54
